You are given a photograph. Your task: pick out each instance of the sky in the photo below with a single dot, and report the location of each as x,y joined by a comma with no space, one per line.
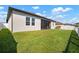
61,13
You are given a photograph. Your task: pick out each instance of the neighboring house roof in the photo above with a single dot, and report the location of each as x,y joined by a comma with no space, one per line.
14,9
70,24
59,23
77,23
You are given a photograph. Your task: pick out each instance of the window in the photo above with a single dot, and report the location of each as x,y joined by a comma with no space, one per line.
33,21
27,20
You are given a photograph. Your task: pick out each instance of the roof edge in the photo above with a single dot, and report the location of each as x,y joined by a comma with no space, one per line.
9,13
10,9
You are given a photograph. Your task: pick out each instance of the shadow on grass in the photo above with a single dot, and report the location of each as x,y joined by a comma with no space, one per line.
7,42
73,43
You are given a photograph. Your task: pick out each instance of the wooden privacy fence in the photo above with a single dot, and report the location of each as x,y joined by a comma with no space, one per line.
77,30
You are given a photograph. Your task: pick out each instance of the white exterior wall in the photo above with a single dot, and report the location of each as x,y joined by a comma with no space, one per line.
67,27
9,23
52,25
19,22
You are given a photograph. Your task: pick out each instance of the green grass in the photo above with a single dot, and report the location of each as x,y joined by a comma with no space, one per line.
39,41
42,41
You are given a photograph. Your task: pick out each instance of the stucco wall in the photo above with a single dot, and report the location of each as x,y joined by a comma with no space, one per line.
67,27
19,22
52,25
9,23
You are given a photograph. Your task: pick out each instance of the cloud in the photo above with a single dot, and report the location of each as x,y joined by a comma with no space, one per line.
1,7
3,12
3,15
74,20
61,10
36,7
3,18
58,17
23,9
44,11
50,17
38,13
41,14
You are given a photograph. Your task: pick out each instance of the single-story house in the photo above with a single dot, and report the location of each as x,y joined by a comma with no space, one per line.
62,26
19,20
58,25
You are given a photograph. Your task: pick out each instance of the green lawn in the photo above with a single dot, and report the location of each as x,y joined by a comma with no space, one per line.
39,41
42,41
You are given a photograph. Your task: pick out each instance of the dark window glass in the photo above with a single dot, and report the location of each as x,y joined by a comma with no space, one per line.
27,20
33,21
